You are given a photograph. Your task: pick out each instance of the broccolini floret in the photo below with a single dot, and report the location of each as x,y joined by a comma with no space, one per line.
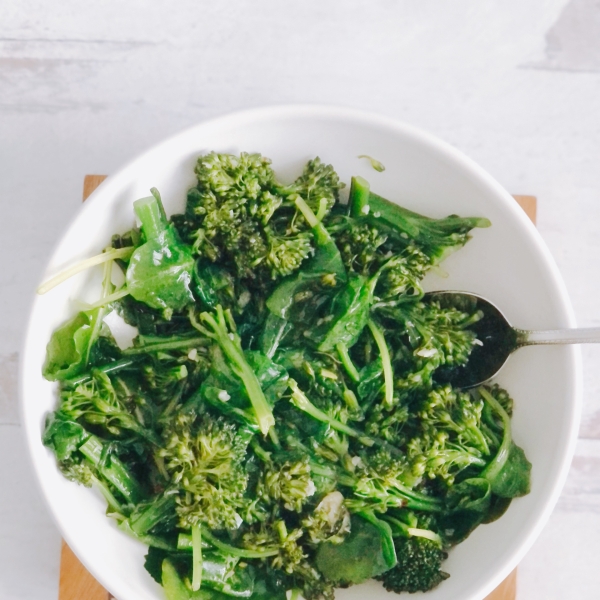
240,214
418,568
319,186
206,462
289,484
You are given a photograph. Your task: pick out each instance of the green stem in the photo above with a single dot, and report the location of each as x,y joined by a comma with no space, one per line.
196,557
112,367
235,551
107,288
115,471
359,197
176,344
112,502
351,400
149,517
322,236
105,300
344,355
407,531
109,255
231,346
384,353
497,464
151,214
184,542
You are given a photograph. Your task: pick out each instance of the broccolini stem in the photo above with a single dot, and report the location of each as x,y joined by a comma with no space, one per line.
108,299
196,557
112,367
115,472
281,530
306,211
153,514
321,234
407,531
322,209
146,538
231,346
82,265
184,542
384,353
351,400
342,350
359,197
108,496
107,288
497,464
263,454
235,551
151,214
176,344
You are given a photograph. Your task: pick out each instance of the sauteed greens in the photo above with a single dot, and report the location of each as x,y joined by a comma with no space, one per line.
277,424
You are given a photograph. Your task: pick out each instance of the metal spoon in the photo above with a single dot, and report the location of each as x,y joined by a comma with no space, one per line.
498,339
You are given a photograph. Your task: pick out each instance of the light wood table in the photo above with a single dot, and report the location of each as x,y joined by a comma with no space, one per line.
76,583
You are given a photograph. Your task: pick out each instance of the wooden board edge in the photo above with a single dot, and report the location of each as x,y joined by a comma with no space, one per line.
528,204
75,581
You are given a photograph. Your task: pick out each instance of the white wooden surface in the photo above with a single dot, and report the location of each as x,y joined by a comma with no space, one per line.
84,87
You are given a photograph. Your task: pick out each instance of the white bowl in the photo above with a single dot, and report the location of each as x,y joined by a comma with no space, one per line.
508,263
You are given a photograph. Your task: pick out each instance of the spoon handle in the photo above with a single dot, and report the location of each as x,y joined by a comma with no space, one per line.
589,335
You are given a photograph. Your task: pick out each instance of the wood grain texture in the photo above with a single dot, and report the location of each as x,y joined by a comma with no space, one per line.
90,183
76,583
529,205
507,590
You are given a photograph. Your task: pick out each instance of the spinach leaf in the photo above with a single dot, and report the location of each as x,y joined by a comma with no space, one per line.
69,346
359,557
63,436
350,309
513,479
160,271
274,330
509,472
469,504
213,285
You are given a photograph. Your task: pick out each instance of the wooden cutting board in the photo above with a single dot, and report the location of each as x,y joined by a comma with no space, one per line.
76,583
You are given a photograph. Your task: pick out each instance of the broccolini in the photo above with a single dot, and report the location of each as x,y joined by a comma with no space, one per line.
281,422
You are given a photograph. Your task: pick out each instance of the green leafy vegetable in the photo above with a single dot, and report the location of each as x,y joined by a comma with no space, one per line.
281,423
160,270
361,556
68,348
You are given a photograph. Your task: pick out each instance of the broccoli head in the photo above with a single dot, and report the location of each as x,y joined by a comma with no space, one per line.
240,215
205,461
418,568
318,185
289,484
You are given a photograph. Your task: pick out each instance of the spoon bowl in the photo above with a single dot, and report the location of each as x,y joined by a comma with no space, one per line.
497,339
